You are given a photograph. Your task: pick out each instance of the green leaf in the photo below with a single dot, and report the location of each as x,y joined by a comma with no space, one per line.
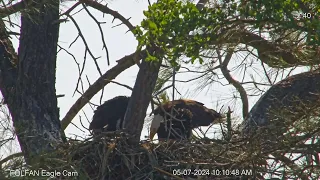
152,25
146,13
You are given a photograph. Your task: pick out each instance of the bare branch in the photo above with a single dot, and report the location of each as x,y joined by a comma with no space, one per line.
123,64
235,83
71,9
123,85
101,32
85,43
105,9
7,11
10,157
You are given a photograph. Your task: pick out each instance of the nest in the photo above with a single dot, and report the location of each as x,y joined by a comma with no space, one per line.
109,156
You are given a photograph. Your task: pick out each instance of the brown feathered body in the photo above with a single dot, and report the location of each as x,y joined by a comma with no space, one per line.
110,115
186,115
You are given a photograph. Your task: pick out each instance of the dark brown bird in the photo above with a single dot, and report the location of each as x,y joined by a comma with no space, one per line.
187,115
110,115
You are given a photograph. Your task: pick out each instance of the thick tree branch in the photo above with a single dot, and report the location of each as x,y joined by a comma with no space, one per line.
123,64
141,97
235,83
105,79
271,53
7,11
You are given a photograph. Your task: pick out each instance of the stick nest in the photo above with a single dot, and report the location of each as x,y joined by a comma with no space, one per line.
109,156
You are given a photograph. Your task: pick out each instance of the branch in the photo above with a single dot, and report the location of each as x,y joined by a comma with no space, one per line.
71,9
123,64
270,52
141,96
85,43
235,83
123,85
296,170
10,157
7,11
8,67
107,10
101,33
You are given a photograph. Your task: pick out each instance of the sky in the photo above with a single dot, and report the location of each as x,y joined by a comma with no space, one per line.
121,43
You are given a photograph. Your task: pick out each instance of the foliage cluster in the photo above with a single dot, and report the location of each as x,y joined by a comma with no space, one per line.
180,28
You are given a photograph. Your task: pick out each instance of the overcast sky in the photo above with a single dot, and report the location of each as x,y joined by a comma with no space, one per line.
121,43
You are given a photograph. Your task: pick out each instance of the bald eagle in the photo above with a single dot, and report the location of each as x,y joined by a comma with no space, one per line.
187,115
110,115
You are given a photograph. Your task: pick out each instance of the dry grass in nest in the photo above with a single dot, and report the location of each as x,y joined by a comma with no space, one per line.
110,157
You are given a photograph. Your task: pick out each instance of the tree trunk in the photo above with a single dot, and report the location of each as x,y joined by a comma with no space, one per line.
140,99
29,86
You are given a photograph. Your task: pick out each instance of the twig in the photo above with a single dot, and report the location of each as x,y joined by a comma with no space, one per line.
85,43
12,156
105,9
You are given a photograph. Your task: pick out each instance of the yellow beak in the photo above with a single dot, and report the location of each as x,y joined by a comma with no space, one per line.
153,131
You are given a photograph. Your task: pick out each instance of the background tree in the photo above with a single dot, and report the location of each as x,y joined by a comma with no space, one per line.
276,36
218,34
